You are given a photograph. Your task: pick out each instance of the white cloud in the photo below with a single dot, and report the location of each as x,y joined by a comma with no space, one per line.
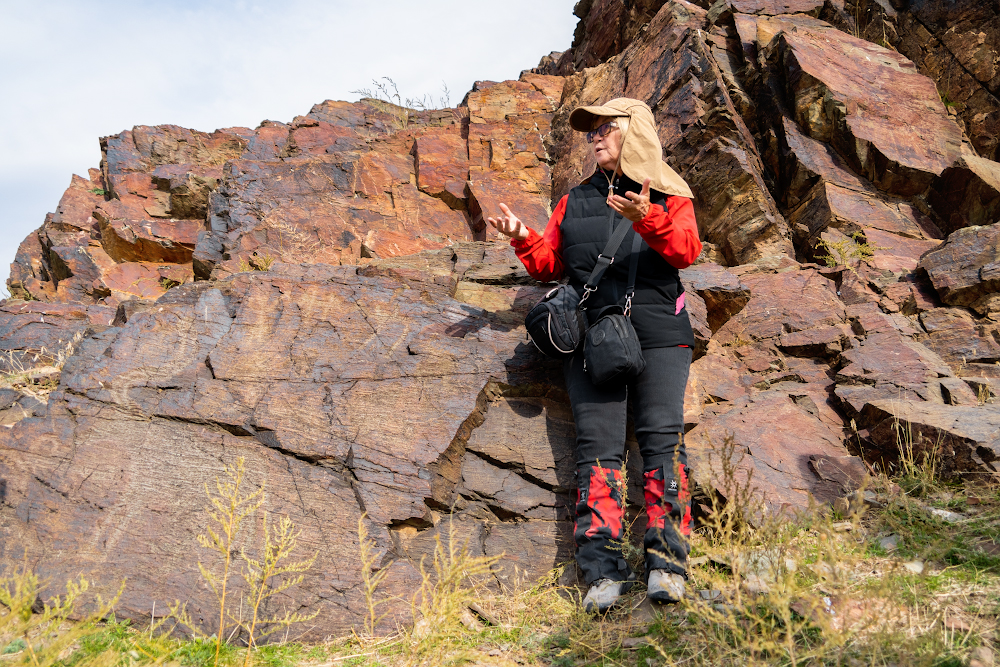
76,71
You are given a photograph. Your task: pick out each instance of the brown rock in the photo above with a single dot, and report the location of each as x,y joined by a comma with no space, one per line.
782,303
189,187
806,162
315,408
899,137
968,193
775,436
962,440
29,327
443,166
129,236
852,211
606,27
955,335
891,357
344,203
721,291
823,341
144,148
965,267
955,44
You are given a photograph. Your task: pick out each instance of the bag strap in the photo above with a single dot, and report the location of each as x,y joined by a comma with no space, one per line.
633,269
607,256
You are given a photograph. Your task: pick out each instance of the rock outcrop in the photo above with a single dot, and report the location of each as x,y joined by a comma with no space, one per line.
324,298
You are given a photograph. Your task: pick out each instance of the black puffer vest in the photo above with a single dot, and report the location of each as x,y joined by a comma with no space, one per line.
585,232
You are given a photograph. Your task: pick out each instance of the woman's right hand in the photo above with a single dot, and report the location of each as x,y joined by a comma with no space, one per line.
509,224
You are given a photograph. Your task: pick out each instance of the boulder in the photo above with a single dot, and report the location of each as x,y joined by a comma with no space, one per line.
967,194
772,438
958,337
337,357
956,45
964,269
893,234
959,441
899,136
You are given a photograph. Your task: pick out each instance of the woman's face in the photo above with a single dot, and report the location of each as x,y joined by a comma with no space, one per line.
609,147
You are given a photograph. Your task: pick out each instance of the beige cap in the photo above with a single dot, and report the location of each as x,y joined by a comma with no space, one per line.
642,155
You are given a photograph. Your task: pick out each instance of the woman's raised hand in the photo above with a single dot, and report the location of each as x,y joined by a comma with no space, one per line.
510,225
635,207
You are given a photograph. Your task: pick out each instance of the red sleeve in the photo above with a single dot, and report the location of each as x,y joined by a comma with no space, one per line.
672,232
540,254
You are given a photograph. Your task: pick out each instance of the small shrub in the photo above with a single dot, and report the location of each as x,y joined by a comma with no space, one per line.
264,580
41,638
847,252
229,506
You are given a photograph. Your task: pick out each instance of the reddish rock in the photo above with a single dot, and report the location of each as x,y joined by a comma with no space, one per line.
823,341
774,436
851,211
962,440
486,191
314,408
958,338
145,280
713,380
189,187
330,202
888,365
497,102
606,27
443,166
721,291
31,328
956,45
775,7
129,237
144,148
968,193
900,136
782,303
511,430
964,269
806,162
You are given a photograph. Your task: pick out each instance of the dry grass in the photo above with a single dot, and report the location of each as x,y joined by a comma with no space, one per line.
896,580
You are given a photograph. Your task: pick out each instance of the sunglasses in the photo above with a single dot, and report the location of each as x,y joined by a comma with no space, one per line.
602,131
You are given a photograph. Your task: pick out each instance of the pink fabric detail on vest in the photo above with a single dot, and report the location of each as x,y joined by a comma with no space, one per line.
680,304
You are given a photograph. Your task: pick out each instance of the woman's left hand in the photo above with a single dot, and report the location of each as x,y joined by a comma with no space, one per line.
635,207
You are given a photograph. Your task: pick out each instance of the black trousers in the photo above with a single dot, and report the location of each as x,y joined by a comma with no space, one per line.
658,417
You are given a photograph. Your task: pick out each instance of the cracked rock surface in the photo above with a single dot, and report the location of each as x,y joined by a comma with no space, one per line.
323,298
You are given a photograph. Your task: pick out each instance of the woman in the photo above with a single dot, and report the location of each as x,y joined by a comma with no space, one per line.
632,180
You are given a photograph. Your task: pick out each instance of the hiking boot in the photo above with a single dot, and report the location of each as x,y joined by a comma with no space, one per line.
603,594
665,586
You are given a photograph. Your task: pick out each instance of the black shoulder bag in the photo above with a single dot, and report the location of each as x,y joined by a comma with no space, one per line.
558,323
611,351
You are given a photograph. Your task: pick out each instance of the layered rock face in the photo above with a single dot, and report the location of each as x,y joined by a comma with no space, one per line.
325,299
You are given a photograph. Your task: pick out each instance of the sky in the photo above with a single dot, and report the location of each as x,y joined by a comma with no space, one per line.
76,71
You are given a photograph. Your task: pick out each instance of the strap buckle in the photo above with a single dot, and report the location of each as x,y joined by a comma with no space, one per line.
587,289
610,262
628,304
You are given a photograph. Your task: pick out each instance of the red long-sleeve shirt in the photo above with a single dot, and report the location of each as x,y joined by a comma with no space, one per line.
672,232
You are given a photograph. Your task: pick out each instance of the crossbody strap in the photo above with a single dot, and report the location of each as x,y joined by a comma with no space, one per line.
607,256
633,269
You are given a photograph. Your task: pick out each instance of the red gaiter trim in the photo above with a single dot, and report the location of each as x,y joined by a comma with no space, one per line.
652,489
603,501
684,498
